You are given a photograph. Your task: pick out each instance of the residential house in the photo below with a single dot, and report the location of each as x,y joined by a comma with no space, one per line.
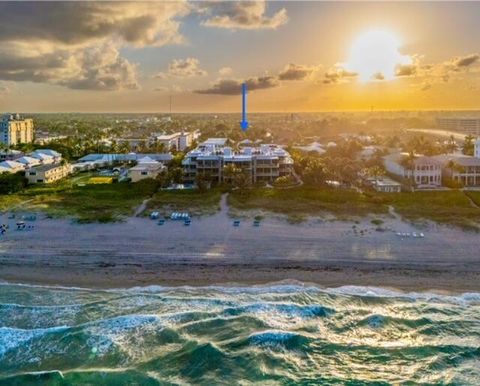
386,185
11,167
93,161
462,169
146,168
29,161
425,172
10,155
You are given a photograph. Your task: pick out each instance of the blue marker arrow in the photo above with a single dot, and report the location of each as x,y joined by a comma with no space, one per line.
244,122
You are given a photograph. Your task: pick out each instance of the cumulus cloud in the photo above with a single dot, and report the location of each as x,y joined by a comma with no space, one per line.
224,71
406,69
466,61
241,15
234,86
338,74
183,68
96,68
76,23
77,44
441,72
296,72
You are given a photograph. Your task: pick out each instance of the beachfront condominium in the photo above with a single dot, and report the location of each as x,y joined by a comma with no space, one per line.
15,129
263,163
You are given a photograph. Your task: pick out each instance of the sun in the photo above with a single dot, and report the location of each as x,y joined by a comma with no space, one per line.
374,55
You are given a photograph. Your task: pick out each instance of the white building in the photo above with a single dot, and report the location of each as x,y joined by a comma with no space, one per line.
46,174
14,129
10,155
146,168
425,172
29,161
467,125
179,141
476,153
462,169
11,167
386,185
263,164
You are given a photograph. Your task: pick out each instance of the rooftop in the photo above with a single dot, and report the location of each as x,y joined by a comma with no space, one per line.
44,168
462,160
419,159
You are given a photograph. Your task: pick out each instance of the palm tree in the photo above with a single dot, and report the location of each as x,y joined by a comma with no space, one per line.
408,162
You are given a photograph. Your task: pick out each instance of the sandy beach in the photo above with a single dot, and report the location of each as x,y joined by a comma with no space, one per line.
211,250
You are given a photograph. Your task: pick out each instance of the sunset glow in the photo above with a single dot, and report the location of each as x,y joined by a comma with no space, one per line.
375,55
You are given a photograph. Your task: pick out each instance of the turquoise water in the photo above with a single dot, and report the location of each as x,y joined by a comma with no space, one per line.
277,334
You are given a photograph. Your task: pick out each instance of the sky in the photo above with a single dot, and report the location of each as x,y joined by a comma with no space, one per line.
294,56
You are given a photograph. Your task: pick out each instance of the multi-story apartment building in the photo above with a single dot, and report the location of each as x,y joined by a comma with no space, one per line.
179,141
425,172
15,129
46,174
263,164
464,125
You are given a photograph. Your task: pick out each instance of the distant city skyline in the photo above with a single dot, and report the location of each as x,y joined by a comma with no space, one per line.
294,56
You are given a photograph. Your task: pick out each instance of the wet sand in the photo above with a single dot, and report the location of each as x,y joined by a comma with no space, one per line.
211,250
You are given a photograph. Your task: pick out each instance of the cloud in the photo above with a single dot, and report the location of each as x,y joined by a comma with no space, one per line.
183,68
224,71
94,68
79,23
406,69
241,15
171,89
338,75
296,72
77,44
432,73
466,61
234,86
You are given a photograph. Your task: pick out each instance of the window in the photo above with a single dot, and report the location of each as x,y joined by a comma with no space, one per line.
144,173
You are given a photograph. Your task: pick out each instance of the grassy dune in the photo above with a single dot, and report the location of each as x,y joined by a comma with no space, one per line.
447,207
192,201
103,203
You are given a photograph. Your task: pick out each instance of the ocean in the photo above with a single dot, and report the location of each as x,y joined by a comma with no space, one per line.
285,334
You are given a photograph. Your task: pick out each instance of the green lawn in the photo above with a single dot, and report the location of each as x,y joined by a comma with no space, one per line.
103,203
192,201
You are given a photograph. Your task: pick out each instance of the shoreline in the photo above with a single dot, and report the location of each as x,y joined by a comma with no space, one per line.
404,279
138,252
